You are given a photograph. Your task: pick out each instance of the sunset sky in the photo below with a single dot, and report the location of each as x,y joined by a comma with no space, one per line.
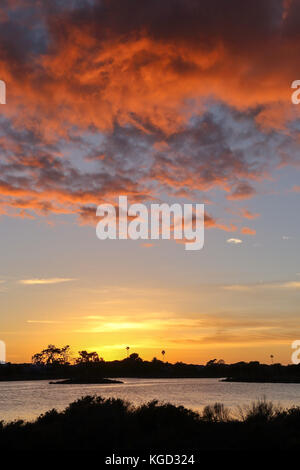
175,101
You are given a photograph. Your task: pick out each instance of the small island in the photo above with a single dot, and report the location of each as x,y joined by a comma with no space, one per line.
85,380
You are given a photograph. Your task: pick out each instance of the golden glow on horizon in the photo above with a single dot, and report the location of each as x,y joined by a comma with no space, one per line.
193,324
55,280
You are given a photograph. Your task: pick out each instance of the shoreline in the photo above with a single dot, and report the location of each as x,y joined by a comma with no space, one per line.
265,380
117,380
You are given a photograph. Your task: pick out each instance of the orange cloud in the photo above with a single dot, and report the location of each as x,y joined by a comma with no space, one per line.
248,231
142,71
140,82
248,215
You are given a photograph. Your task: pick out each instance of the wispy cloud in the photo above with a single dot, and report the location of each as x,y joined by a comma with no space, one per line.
290,285
248,231
54,280
151,324
238,287
48,322
263,285
234,241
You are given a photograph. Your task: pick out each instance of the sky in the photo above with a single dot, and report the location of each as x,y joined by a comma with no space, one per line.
169,101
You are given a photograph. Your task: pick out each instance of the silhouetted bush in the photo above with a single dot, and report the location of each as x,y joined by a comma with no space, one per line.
261,410
215,413
111,425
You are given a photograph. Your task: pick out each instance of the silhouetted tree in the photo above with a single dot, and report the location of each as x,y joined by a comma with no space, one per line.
155,360
85,357
135,357
211,362
52,356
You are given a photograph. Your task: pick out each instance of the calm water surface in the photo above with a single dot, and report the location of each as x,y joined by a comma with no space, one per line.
27,400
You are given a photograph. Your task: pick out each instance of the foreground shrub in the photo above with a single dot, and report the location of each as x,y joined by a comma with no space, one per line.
216,413
260,410
110,425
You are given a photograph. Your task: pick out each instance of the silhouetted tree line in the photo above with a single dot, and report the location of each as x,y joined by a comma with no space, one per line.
54,363
112,425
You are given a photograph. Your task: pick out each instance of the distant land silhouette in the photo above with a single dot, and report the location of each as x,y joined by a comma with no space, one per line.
54,364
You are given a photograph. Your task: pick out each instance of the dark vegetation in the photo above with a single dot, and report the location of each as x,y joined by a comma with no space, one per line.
54,363
111,425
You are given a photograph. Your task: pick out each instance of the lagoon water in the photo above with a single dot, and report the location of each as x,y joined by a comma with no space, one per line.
27,400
